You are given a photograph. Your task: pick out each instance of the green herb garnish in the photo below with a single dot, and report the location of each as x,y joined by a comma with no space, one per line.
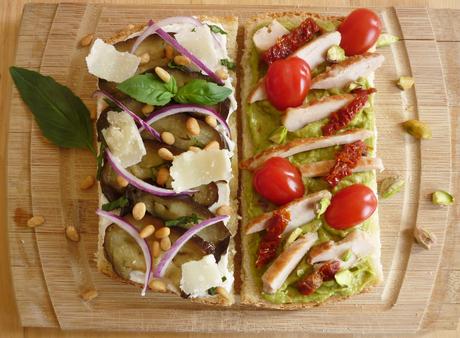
202,92
227,63
173,65
224,278
183,221
216,29
212,291
100,161
149,88
62,116
119,203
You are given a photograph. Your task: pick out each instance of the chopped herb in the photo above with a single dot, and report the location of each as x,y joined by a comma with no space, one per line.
62,116
217,29
194,29
212,291
227,63
173,65
119,203
224,278
100,161
183,221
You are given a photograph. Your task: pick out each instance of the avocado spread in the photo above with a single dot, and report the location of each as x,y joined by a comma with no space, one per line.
263,121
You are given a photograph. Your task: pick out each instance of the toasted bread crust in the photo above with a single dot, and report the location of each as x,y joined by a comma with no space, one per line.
230,24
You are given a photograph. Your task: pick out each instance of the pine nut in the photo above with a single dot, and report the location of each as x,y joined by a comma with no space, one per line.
162,176
211,120
165,244
194,149
130,26
147,231
139,211
86,40
222,74
192,126
157,285
122,182
169,52
165,154
72,233
162,74
35,221
87,182
213,145
147,109
221,291
88,295
162,232
224,210
181,60
168,137
145,58
156,249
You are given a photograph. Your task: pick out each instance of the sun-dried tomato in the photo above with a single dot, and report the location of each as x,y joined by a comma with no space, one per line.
329,269
272,239
313,281
346,159
290,42
342,117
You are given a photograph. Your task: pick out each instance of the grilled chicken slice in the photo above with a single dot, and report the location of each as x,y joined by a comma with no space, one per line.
298,117
283,265
343,73
314,53
305,144
301,211
322,168
267,36
358,242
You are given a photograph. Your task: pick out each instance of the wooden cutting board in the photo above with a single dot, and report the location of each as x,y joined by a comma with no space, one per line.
50,272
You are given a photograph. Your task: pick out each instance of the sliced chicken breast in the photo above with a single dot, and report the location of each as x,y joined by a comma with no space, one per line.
314,52
305,144
298,117
267,36
283,265
358,242
301,211
343,73
322,168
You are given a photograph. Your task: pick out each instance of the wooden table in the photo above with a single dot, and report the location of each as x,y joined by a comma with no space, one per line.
446,26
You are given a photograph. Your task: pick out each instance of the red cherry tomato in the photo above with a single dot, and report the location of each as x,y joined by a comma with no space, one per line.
360,30
278,181
287,82
351,206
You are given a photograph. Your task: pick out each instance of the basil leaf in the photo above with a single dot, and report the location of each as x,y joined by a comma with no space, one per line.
202,92
212,291
173,65
148,88
61,115
216,29
227,63
183,221
117,204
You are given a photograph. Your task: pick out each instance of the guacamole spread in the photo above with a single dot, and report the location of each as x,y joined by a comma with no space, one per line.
263,120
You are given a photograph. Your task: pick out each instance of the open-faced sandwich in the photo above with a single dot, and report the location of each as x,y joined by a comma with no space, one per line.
310,227
167,166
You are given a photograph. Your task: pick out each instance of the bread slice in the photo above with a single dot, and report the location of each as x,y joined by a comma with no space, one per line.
251,289
230,25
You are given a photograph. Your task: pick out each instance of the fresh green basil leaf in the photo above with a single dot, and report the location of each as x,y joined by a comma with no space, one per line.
62,116
183,221
117,204
227,63
200,91
216,29
148,88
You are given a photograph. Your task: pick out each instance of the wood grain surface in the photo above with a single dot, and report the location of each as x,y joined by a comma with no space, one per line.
442,312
